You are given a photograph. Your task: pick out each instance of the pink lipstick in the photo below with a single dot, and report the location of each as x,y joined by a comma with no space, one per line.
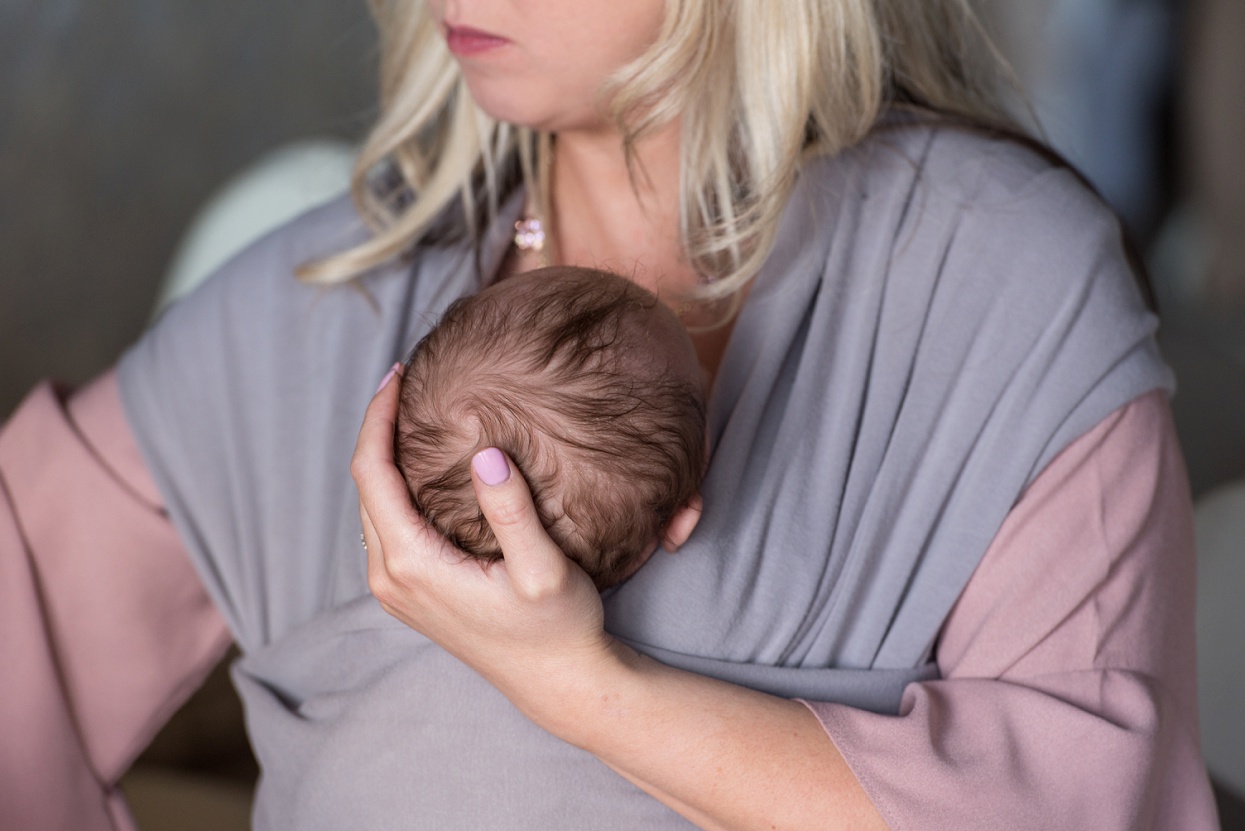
465,41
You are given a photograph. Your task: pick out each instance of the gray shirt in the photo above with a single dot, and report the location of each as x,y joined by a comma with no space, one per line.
941,315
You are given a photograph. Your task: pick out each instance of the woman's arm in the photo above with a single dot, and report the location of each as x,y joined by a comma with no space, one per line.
104,627
1009,755
722,755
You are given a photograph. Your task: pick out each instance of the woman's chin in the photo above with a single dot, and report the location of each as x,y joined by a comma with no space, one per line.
510,103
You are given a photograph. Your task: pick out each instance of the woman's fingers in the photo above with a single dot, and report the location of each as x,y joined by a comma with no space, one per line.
537,567
509,620
398,539
382,491
377,574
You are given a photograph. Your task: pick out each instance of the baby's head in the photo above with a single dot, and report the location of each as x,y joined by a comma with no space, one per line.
591,386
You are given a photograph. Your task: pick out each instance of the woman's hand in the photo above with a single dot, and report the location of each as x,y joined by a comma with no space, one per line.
531,623
724,756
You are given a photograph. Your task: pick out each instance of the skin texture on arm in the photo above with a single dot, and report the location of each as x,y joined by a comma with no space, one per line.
105,629
722,755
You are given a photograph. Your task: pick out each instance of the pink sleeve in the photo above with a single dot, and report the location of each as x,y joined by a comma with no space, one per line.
104,626
1068,696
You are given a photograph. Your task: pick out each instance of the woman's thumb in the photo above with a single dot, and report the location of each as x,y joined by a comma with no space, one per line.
535,564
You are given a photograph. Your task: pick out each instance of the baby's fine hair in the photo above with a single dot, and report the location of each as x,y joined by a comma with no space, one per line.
559,374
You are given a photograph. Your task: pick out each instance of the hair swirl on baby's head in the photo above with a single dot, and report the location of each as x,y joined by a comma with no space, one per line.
559,369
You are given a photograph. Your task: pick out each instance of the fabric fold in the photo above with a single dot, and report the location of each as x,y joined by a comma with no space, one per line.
1069,659
87,565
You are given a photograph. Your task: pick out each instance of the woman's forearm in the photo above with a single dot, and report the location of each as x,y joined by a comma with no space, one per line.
724,756
721,755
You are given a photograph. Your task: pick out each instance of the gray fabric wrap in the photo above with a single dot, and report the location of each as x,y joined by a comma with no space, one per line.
941,315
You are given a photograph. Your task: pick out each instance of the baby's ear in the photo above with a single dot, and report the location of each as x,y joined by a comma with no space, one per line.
680,526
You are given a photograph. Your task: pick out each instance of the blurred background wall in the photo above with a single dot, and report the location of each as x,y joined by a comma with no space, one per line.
118,120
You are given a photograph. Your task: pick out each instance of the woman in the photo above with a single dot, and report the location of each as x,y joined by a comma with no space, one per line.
943,574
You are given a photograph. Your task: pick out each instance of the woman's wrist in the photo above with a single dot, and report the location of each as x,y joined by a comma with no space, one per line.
722,755
571,695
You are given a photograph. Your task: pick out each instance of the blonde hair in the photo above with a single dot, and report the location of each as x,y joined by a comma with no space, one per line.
759,89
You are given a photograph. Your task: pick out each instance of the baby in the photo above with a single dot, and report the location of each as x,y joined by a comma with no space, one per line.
591,386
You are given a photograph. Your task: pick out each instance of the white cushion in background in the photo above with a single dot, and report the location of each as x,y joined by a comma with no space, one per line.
265,195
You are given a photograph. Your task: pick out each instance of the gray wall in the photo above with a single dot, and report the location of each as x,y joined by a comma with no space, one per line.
117,119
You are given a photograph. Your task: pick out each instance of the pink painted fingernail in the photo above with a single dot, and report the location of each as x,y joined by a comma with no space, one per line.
491,467
388,375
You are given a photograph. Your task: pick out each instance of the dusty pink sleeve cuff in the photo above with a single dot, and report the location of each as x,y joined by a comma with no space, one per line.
1068,695
104,627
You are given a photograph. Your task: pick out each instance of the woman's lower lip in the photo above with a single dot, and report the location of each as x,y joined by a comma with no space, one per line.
463,41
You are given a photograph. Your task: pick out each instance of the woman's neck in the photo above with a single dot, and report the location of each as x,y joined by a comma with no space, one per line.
604,219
